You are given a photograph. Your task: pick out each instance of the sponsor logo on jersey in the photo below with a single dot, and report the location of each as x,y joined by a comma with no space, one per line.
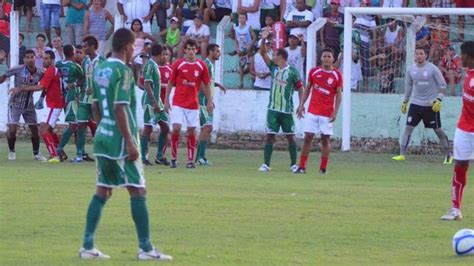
324,91
471,84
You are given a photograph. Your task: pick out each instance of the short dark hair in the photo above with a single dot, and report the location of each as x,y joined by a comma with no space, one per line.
22,36
156,50
91,41
78,47
327,50
243,14
29,51
40,35
283,53
270,16
212,47
51,54
139,21
122,37
421,48
190,42
467,48
68,50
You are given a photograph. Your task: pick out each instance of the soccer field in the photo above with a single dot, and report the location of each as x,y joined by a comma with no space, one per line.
366,210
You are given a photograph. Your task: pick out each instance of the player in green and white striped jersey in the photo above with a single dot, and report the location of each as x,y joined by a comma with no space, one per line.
205,118
285,79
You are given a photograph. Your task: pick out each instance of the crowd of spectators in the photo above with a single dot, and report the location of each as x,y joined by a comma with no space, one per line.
379,50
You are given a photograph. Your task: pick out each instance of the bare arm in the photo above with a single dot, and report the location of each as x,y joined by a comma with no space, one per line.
149,91
66,2
95,111
3,78
167,96
120,10
282,9
154,8
111,19
338,103
86,23
149,37
122,124
207,92
263,48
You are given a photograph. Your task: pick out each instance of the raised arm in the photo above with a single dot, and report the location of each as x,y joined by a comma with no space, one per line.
263,48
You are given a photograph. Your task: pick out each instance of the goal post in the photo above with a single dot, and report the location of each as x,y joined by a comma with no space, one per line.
349,12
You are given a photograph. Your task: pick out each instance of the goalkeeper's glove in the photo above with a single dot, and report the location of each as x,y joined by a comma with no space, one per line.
404,107
40,103
436,105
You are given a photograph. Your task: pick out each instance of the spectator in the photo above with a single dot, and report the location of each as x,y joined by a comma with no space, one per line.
297,54
394,3
462,19
386,73
356,73
451,68
267,8
39,50
424,3
269,25
4,28
27,7
317,8
299,20
200,33
258,68
423,38
443,3
140,39
161,17
439,40
95,23
75,20
393,44
173,35
188,10
137,9
170,56
58,49
330,33
245,39
286,6
21,53
50,17
252,9
79,55
221,8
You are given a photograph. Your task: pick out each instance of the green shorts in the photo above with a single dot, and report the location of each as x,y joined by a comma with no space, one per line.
277,120
204,117
151,118
70,112
119,173
84,112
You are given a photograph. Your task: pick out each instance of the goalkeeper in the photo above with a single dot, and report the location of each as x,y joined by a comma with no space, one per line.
424,89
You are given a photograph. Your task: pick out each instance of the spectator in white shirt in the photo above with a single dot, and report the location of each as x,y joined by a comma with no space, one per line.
296,53
299,20
137,9
199,32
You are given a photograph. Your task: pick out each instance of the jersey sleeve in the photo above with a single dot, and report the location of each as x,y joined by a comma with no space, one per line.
148,72
310,76
47,78
298,83
408,85
206,78
13,71
440,81
123,86
340,83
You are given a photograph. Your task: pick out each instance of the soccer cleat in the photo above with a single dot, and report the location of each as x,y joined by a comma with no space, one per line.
454,214
322,171
94,254
146,162
78,159
87,158
162,161
204,162
153,255
54,160
448,160
174,164
190,165
63,156
294,167
299,170
399,158
264,168
39,157
12,156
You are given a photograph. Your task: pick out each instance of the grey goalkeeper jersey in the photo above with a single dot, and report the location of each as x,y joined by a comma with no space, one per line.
422,84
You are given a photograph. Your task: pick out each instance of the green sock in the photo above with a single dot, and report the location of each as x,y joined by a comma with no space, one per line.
267,154
80,141
202,149
161,144
64,140
144,146
292,149
140,217
92,220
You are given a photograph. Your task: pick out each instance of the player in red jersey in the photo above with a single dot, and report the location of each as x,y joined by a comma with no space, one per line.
51,84
188,74
464,135
325,83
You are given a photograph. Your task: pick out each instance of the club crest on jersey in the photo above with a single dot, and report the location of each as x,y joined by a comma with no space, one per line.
167,75
471,84
330,81
196,73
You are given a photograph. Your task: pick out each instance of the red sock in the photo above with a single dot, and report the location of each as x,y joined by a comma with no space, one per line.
92,126
191,143
174,146
49,142
303,160
55,138
324,163
164,148
459,181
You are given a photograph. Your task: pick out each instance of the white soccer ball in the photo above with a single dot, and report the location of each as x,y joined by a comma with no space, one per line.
463,242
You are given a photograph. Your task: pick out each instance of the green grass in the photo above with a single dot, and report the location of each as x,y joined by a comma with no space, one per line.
367,210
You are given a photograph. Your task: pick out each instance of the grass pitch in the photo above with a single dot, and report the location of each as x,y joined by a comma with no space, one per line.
366,210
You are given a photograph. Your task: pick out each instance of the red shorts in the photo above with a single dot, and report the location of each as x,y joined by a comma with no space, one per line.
464,3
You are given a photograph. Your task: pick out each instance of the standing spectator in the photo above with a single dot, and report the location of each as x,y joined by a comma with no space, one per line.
451,68
21,54
299,20
4,28
393,44
141,38
27,7
245,38
423,37
286,6
39,50
252,9
356,75
75,20
267,8
95,24
221,9
297,54
330,33
462,19
188,10
200,33
161,16
394,3
50,17
173,35
137,9
58,49
258,67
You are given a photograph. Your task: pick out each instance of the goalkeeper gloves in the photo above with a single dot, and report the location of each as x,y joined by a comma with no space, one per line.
404,107
40,103
436,105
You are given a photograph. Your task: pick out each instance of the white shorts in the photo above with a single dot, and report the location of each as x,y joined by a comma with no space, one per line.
463,145
184,117
317,124
53,116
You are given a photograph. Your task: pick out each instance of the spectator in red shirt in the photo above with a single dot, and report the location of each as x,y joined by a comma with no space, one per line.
451,68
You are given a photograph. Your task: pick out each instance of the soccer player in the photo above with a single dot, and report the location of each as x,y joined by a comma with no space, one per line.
325,85
464,135
188,74
285,79
21,104
51,85
72,78
151,101
115,147
424,89
84,110
205,118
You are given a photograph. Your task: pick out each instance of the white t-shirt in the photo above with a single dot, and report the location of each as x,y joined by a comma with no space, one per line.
296,60
253,19
134,9
261,67
193,32
391,36
52,2
392,3
223,4
300,16
366,23
356,75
